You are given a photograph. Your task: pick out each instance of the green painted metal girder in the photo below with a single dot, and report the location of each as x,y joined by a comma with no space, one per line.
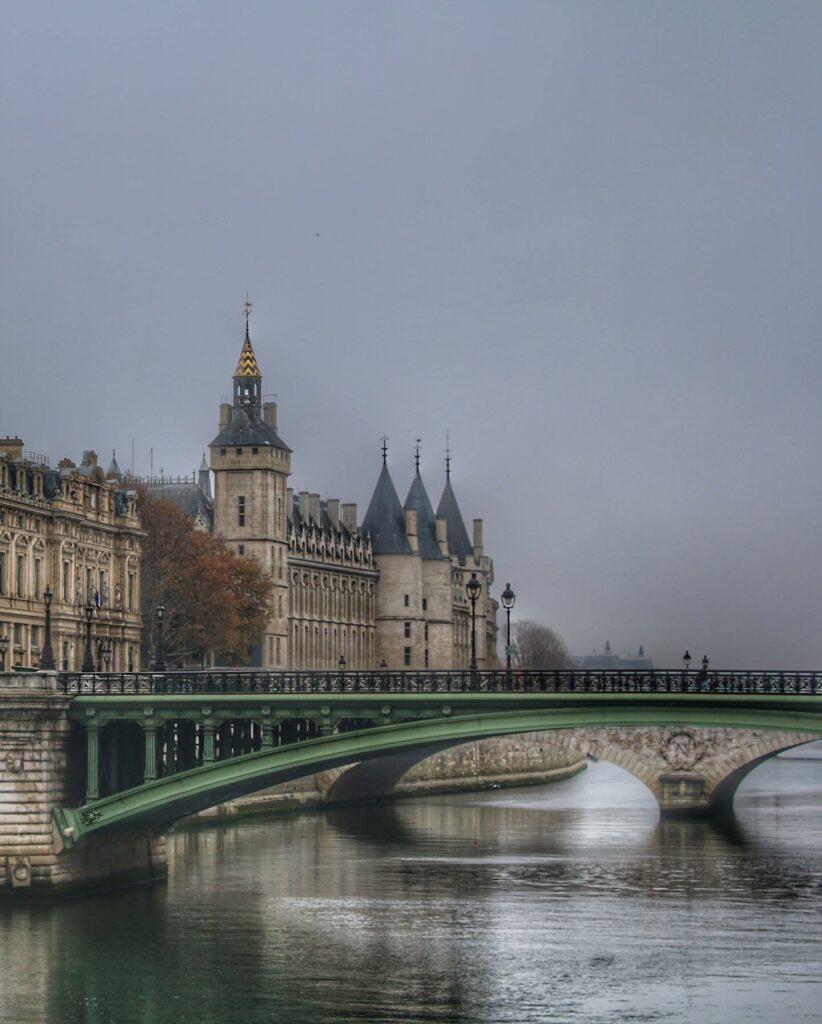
159,803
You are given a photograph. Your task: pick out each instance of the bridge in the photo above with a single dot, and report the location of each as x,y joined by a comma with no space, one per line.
110,761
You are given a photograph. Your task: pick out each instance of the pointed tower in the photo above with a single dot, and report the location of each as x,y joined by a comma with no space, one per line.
251,466
204,478
419,502
459,545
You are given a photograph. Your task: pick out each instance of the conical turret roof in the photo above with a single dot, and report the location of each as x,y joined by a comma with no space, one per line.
247,363
113,472
419,502
385,520
458,541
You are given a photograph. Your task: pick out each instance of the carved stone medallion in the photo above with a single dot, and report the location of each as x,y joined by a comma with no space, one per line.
682,749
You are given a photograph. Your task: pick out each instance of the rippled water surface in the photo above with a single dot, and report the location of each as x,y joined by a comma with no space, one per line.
569,902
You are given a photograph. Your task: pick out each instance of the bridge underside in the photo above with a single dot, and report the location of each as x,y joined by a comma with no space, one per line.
157,804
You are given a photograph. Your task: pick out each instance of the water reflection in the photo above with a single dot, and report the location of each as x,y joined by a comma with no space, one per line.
564,903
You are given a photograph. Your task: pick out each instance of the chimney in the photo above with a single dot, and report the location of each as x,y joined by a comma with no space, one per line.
411,529
225,415
477,538
442,535
349,516
12,446
270,414
305,511
315,508
333,505
89,458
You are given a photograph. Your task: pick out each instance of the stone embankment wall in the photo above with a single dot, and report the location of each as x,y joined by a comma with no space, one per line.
527,759
35,746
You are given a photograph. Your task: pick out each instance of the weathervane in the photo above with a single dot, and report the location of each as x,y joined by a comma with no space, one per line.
447,455
384,440
247,308
417,455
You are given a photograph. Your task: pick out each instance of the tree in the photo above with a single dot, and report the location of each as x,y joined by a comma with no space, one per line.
216,603
537,646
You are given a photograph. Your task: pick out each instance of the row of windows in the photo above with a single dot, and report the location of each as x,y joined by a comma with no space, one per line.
407,656
407,602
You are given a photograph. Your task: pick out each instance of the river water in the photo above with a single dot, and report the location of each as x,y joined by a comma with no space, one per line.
562,903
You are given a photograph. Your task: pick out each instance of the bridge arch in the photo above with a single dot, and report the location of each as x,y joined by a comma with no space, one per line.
159,803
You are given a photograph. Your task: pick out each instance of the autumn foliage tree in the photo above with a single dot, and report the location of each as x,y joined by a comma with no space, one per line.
538,646
216,603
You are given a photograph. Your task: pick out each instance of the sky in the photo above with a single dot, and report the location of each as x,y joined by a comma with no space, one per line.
581,239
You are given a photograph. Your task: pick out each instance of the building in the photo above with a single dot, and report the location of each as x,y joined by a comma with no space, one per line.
390,590
613,662
75,530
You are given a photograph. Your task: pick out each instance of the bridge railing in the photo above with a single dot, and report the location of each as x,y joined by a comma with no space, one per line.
251,681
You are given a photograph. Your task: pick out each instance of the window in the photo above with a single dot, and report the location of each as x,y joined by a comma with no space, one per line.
407,630
21,575
426,657
238,451
223,451
18,635
2,572
38,577
406,601
425,604
66,581
241,510
89,585
407,656
241,549
426,631
130,591
35,636
255,451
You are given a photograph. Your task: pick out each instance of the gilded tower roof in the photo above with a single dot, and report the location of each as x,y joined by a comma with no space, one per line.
247,363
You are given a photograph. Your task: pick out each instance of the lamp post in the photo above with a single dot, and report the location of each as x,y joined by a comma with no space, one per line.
160,658
686,661
105,651
4,650
88,656
473,588
47,662
508,597
705,685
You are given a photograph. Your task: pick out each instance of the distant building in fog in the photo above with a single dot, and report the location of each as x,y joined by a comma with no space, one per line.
608,660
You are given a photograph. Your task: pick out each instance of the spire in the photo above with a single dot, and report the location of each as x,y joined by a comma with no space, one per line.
458,541
384,520
419,502
447,455
247,363
113,472
417,455
384,450
204,478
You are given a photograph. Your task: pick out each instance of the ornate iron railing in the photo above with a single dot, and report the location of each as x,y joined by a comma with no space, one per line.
217,681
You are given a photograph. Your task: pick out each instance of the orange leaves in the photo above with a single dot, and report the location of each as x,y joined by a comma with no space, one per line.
216,603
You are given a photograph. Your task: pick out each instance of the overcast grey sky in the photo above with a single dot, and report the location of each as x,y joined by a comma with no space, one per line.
583,237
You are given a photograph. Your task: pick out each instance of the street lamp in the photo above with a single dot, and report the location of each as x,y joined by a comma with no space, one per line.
473,588
47,662
508,597
705,663
105,651
4,650
341,664
88,656
160,659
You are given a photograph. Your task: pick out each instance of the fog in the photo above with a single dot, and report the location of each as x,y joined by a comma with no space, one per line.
581,238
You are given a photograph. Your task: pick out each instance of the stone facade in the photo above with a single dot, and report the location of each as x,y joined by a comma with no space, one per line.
75,530
390,591
40,769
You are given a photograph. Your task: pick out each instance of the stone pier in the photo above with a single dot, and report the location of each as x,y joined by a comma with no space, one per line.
42,768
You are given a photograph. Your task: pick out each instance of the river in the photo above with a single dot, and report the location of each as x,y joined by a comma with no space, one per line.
563,903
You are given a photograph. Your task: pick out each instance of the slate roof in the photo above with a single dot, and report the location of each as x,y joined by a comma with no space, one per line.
459,544
248,428
419,502
385,520
187,497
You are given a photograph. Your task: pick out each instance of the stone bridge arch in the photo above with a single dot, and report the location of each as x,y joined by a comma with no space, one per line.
691,771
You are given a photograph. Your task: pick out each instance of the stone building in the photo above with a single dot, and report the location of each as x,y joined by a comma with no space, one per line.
73,529
391,590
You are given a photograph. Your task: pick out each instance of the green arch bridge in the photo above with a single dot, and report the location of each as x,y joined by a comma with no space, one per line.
161,746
